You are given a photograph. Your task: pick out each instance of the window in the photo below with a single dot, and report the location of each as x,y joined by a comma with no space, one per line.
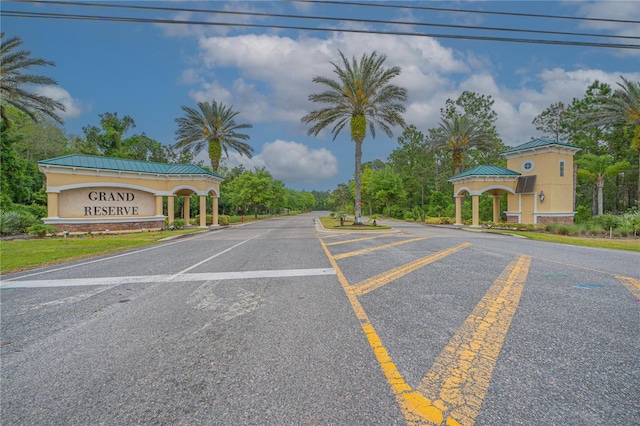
527,166
561,168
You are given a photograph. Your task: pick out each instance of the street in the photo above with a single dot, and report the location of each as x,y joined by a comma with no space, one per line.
283,322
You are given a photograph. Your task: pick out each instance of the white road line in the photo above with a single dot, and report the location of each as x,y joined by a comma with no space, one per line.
113,281
215,255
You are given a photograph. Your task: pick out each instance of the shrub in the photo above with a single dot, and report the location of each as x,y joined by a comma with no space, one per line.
397,212
607,221
35,210
630,221
439,220
223,220
41,230
178,223
583,214
14,222
418,213
409,216
624,231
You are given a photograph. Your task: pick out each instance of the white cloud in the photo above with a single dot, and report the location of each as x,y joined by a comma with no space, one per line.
73,107
291,162
280,69
275,78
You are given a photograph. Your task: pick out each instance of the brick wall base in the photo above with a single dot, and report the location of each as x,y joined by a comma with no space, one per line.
564,220
115,227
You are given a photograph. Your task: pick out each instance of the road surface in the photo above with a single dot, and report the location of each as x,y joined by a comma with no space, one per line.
282,322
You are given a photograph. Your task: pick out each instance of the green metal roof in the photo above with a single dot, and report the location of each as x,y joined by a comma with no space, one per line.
486,171
124,165
538,143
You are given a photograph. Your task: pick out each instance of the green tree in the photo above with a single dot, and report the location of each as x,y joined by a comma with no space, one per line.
322,200
622,108
553,121
39,140
20,180
214,126
15,83
598,167
386,187
108,138
252,189
361,97
583,131
341,197
459,133
414,163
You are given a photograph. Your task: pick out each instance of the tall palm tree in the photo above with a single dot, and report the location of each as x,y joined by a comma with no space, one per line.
598,167
457,134
13,78
623,107
361,97
213,125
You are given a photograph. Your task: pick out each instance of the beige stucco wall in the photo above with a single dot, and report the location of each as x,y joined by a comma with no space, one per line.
91,199
543,162
106,201
558,190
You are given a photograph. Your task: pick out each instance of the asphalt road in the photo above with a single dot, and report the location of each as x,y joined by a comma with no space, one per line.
281,322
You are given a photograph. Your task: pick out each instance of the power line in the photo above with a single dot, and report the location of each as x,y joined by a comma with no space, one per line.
20,14
486,12
325,18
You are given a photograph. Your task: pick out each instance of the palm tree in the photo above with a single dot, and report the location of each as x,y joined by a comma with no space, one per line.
457,134
214,126
13,79
361,96
596,168
623,107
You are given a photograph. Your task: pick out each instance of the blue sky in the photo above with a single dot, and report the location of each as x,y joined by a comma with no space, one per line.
148,71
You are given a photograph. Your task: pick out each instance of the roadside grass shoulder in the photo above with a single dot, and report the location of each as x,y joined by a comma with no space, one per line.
628,244
19,255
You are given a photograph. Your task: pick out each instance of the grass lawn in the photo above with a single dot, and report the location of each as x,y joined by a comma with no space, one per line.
630,244
334,223
18,255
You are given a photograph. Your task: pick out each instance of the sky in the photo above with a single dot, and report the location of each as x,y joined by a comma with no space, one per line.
149,71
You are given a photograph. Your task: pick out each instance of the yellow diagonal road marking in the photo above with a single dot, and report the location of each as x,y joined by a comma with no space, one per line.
355,240
631,284
459,378
379,280
384,246
415,408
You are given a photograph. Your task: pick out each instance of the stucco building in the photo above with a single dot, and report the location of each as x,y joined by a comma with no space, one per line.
538,179
89,193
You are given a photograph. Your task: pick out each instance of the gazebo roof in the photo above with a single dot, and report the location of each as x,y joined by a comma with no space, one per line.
486,171
125,165
539,143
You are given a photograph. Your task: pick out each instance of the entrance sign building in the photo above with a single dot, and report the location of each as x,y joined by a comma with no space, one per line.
89,193
538,180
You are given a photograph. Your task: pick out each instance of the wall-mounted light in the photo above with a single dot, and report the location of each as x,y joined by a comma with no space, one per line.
541,195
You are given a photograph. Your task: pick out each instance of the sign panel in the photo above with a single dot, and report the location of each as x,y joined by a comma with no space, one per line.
103,202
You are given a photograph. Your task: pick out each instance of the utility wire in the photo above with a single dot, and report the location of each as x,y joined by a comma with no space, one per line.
19,14
324,18
443,9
